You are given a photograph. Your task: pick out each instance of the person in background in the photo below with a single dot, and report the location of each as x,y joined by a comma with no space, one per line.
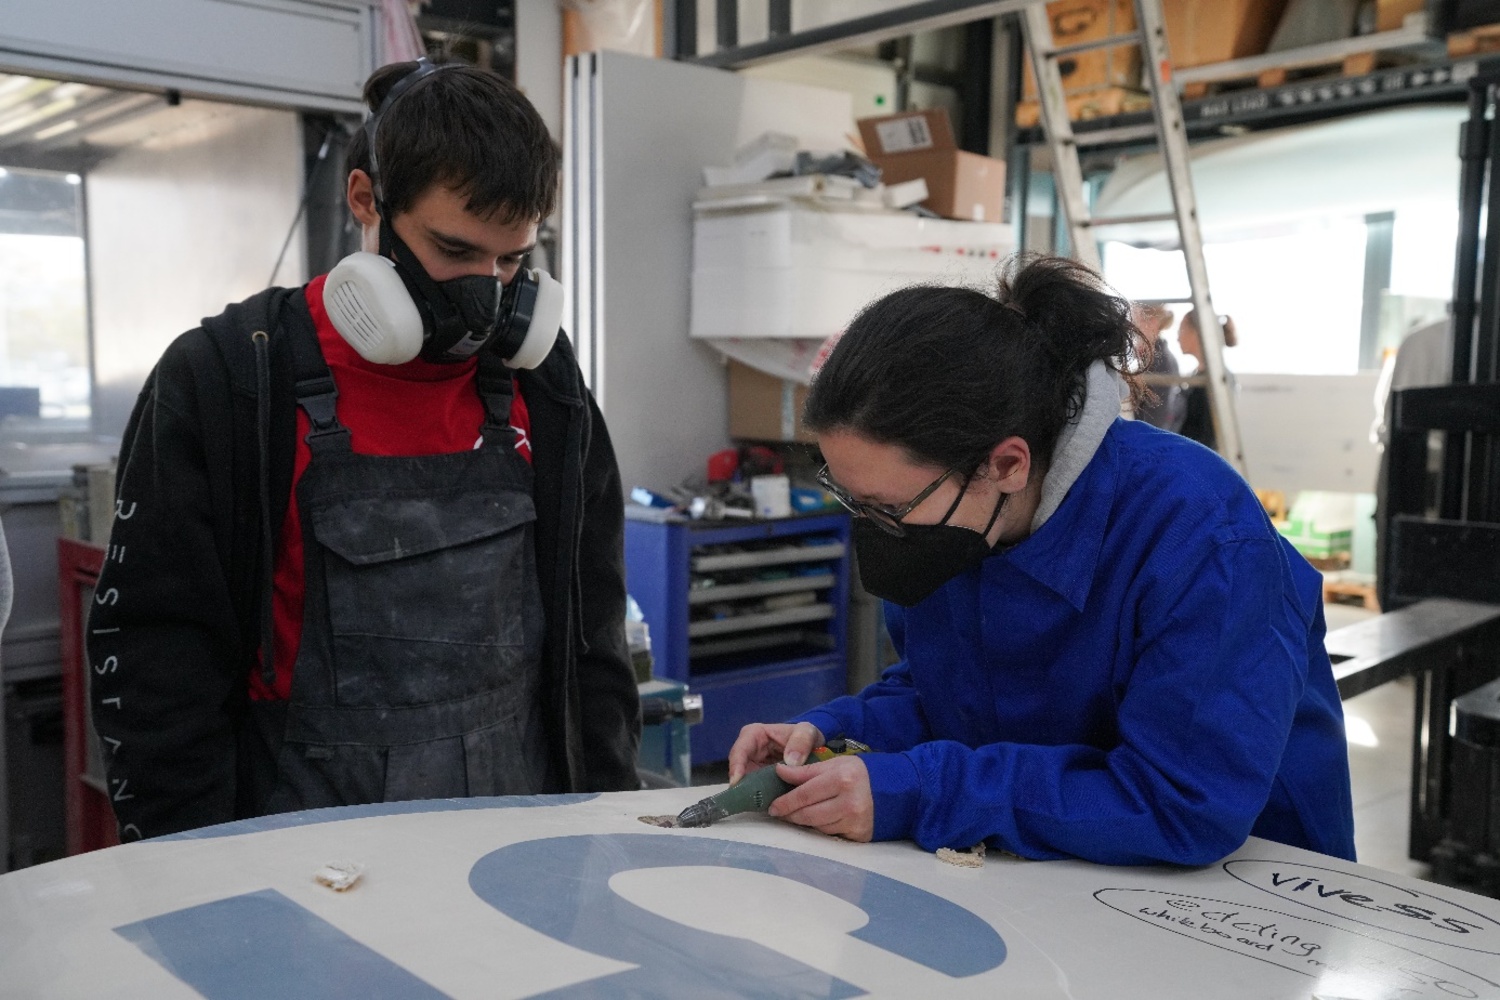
1165,406
1424,358
1107,651
1197,411
374,561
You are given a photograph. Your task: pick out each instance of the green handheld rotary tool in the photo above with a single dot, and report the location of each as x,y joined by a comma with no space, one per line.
757,790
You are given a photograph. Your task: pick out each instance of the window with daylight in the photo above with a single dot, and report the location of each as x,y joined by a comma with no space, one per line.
44,340
1296,297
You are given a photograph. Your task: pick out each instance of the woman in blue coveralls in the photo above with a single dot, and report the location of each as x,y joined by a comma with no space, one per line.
1107,651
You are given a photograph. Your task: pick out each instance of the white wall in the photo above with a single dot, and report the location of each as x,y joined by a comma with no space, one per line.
663,395
1309,432
1397,159
539,59
640,132
179,227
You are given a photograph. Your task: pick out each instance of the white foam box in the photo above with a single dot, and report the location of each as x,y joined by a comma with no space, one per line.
792,269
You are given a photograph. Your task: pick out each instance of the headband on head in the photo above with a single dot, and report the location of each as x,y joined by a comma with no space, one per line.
425,68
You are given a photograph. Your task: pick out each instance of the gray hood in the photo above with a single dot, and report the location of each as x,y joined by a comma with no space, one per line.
1103,391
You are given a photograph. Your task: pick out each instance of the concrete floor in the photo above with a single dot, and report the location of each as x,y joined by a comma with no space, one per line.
1381,775
1379,724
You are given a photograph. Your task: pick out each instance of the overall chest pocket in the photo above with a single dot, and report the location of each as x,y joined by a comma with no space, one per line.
455,570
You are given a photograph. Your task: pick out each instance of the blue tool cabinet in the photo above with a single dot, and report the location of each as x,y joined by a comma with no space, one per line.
752,615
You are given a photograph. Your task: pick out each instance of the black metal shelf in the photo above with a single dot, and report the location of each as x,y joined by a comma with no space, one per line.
1291,104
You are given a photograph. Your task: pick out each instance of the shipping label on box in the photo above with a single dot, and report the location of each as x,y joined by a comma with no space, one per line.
910,132
904,135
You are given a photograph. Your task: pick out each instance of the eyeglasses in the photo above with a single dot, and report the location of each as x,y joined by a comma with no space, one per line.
887,519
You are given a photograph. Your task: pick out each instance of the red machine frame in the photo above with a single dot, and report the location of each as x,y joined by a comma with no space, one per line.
91,821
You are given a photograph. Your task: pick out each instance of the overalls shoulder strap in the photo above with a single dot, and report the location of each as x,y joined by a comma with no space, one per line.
316,392
497,389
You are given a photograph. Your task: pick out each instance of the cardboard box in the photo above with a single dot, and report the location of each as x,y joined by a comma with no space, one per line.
1390,15
1091,104
960,185
593,27
1200,33
1317,544
1077,21
763,407
1320,524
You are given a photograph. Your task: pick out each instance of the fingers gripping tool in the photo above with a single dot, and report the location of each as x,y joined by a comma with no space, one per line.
757,790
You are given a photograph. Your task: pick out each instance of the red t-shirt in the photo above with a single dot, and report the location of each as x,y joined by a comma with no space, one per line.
413,409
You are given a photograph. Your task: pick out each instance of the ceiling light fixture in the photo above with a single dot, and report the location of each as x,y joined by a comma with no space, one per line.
58,129
9,85
39,115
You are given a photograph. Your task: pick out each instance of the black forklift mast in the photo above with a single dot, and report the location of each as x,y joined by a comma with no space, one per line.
1445,543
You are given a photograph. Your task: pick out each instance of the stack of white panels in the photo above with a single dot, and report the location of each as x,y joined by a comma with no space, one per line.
804,269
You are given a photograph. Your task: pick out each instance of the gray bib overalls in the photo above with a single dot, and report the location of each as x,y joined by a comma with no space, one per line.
418,670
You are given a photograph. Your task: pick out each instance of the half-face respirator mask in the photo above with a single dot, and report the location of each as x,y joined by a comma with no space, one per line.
391,311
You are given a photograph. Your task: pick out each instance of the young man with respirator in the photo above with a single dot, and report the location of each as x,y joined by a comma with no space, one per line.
367,544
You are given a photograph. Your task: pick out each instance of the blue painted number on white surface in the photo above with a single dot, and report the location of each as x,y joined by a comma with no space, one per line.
675,960
262,944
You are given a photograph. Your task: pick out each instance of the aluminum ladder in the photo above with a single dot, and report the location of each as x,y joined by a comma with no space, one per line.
1151,37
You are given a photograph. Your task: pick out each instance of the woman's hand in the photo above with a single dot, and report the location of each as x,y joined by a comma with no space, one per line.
759,745
831,796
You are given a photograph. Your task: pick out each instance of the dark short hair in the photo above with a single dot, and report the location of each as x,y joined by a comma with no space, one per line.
466,128
948,373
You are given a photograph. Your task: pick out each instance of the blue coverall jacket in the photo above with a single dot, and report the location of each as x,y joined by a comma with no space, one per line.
1141,680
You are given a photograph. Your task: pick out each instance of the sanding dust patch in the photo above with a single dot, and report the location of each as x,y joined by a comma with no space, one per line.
972,858
666,821
339,875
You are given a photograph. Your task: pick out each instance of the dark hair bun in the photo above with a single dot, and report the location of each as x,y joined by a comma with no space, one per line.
1080,319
